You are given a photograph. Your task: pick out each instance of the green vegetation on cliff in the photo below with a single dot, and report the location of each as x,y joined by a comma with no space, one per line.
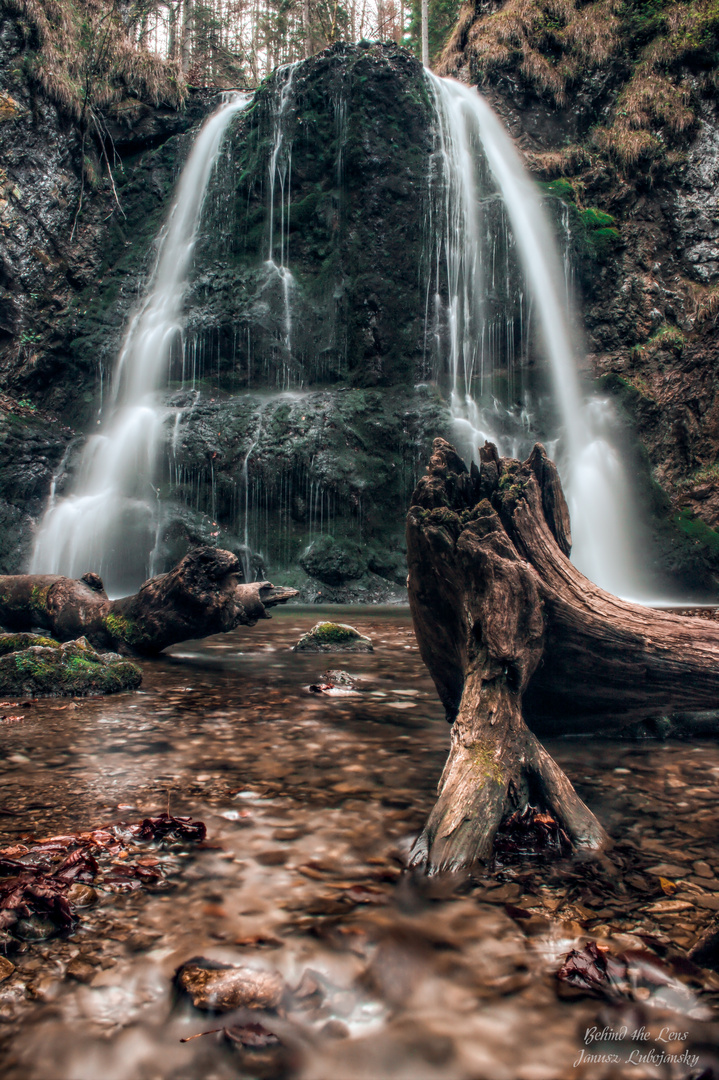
658,55
83,56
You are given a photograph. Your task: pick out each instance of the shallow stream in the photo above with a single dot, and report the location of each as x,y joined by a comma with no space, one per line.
311,803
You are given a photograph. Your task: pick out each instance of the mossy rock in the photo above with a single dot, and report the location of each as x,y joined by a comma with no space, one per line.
334,561
11,643
333,637
35,666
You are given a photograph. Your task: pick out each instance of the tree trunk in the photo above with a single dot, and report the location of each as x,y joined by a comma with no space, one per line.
425,33
511,632
188,18
202,595
306,29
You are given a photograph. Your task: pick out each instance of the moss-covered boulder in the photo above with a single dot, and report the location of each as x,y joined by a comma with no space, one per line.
32,665
333,637
333,561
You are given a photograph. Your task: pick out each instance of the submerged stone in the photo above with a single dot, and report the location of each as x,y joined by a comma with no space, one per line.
222,987
333,637
32,665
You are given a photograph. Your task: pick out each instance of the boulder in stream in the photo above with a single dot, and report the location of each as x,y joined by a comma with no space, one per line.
33,665
328,637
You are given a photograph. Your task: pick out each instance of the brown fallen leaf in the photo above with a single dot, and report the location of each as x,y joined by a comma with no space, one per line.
591,968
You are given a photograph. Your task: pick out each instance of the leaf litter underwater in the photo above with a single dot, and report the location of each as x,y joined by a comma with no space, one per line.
290,942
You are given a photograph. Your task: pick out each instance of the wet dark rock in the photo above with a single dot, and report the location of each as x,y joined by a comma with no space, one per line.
34,928
221,987
81,896
32,665
329,637
333,561
32,445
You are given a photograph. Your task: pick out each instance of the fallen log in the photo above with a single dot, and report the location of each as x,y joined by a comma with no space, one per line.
519,642
202,595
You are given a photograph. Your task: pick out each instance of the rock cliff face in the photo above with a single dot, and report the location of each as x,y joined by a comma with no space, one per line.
616,108
297,419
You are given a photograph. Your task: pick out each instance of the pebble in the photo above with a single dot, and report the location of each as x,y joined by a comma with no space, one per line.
44,988
711,903
81,896
710,883
6,968
665,907
703,869
667,870
79,970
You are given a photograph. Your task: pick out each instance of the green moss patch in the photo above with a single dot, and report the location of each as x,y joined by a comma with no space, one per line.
12,643
333,637
35,666
698,532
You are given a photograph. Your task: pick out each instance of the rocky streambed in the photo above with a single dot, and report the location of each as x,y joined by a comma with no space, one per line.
330,958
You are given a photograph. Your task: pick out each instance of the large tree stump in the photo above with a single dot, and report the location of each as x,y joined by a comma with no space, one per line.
515,637
202,595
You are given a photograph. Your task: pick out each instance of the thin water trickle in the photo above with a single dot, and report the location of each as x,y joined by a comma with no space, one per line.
109,523
472,140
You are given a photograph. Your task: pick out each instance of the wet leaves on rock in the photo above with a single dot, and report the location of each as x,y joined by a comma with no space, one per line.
44,882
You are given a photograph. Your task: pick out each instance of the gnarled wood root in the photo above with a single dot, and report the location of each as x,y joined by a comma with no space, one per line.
202,595
511,631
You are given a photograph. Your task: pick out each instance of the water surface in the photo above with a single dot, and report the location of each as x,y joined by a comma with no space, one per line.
311,804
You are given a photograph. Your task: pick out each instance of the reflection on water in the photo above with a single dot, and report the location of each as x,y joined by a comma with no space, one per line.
311,804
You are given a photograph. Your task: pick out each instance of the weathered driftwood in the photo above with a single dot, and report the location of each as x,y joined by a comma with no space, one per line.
202,595
515,637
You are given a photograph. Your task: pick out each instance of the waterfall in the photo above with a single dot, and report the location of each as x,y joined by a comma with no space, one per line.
478,166
109,523
280,170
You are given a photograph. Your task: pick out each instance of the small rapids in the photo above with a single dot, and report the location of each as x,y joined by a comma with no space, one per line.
311,802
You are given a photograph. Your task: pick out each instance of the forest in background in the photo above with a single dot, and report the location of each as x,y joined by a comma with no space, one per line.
85,55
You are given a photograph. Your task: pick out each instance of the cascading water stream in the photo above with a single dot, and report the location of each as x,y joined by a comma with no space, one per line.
280,172
470,139
109,523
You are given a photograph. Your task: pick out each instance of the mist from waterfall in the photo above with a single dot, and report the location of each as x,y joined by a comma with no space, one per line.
485,191
111,522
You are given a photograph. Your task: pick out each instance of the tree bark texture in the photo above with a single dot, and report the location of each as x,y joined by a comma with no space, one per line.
516,638
202,595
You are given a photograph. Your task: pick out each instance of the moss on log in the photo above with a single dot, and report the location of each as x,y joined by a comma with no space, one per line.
202,595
